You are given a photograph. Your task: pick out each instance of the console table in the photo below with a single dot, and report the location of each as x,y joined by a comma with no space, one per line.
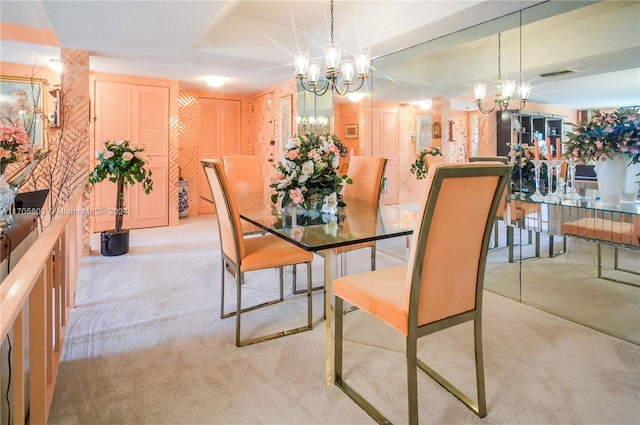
586,218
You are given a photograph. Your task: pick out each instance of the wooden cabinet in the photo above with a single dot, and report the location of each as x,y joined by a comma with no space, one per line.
515,127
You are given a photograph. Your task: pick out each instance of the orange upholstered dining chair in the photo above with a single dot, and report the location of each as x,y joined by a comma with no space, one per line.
367,173
433,291
245,177
245,254
500,214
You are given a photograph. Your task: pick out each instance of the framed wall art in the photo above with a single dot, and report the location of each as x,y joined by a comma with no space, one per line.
21,101
423,131
284,121
351,131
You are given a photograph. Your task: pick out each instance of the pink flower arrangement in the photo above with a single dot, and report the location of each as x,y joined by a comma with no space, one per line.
307,174
15,145
606,135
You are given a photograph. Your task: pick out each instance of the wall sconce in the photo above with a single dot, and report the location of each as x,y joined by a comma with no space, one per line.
413,137
55,64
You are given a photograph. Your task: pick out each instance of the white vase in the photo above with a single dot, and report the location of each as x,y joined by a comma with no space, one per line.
610,173
7,195
632,181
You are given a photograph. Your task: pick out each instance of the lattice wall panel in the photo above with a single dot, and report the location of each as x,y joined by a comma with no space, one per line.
263,123
75,89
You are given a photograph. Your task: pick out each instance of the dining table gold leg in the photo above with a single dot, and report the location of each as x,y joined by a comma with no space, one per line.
330,263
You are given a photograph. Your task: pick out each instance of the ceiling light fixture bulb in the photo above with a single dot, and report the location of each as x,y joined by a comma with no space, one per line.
214,81
426,104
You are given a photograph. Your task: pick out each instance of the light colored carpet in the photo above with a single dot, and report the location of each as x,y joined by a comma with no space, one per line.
145,345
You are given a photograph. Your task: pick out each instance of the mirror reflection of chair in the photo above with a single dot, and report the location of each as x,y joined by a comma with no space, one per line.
245,254
432,291
500,214
517,213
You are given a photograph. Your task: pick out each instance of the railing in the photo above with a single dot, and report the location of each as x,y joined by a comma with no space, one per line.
39,292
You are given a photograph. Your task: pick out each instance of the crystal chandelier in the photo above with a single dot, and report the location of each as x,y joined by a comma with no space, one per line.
504,91
307,69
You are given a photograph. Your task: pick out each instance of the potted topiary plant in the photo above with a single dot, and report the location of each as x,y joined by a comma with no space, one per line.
122,163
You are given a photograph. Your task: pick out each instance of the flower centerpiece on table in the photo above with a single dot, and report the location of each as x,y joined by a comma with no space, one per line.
606,135
521,159
307,175
123,163
419,168
612,140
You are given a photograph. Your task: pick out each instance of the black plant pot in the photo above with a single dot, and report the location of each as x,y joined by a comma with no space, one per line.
113,243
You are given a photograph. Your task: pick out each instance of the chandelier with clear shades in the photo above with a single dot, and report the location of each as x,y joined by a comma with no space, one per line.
309,70
504,91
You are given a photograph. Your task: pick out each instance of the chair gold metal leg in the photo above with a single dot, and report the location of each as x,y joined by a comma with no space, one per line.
337,369
275,335
482,400
412,379
337,357
373,258
295,290
222,290
239,278
479,408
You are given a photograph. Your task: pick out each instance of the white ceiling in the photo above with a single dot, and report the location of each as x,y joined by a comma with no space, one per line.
251,43
549,37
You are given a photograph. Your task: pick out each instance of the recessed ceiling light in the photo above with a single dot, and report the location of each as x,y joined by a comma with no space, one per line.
425,104
214,81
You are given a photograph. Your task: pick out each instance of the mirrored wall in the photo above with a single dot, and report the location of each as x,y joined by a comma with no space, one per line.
576,56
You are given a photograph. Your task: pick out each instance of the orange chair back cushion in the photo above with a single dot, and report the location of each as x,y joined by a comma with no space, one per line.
452,255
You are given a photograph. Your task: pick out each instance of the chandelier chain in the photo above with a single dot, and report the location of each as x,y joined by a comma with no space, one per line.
499,50
331,21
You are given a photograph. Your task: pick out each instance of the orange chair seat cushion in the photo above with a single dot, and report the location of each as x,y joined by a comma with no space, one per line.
604,230
262,252
347,248
380,293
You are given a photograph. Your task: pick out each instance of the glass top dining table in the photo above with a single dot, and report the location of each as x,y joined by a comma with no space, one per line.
355,223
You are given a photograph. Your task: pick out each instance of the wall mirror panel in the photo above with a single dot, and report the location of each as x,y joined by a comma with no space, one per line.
577,56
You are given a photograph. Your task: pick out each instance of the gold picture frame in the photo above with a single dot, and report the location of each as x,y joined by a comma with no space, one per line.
351,131
285,121
22,101
423,131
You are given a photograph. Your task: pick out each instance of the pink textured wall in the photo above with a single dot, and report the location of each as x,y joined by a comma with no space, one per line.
263,123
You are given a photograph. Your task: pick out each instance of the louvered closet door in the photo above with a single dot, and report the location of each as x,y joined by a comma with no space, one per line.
219,134
140,114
